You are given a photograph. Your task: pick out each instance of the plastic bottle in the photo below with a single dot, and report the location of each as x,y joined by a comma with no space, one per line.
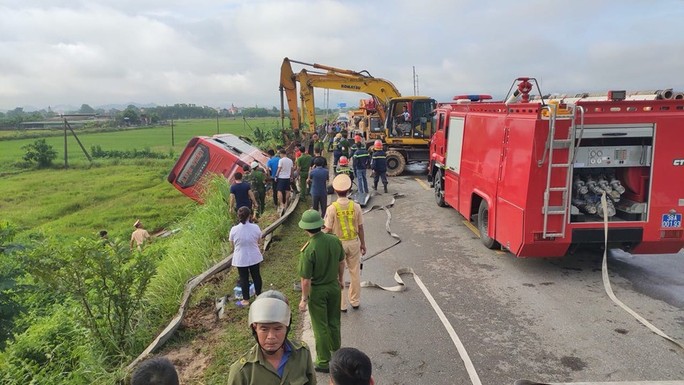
237,291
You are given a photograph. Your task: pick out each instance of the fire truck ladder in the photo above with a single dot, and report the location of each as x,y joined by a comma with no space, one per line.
553,113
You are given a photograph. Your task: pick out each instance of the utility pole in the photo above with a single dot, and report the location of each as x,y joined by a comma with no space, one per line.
173,140
415,90
66,158
217,122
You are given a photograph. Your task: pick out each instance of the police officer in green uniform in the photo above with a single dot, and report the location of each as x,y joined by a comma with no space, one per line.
321,268
273,359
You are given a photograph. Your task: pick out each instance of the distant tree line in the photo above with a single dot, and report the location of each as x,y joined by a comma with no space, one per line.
133,115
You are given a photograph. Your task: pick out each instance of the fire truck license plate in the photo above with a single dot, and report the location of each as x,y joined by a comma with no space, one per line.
672,220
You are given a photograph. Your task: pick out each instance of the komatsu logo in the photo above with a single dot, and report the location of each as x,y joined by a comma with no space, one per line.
678,162
350,87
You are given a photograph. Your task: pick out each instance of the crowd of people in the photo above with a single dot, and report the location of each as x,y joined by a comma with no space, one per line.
336,244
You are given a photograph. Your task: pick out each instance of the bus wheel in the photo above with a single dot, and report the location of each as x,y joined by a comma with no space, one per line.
483,225
439,190
395,163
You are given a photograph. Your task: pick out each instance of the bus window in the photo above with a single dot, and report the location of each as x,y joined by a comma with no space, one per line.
194,167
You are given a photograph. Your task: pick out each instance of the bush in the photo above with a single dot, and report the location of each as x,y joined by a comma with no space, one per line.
40,152
54,350
145,153
105,278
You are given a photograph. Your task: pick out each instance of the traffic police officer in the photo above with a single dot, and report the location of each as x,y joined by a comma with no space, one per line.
273,359
321,268
344,218
379,165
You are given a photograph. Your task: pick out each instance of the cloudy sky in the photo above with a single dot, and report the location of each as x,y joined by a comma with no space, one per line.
218,53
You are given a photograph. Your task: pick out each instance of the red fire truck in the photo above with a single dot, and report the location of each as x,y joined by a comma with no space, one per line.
530,171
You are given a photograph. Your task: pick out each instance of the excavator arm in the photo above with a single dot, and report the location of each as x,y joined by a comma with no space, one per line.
288,88
307,95
334,78
381,90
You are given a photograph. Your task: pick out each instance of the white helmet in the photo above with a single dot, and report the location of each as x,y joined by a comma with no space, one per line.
274,294
269,310
254,165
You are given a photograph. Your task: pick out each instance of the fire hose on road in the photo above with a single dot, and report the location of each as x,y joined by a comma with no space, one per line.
472,372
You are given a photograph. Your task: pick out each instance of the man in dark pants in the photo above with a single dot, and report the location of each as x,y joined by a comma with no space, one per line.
318,179
272,169
321,268
379,165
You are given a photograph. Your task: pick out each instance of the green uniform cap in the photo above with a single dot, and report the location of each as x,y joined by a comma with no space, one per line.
311,219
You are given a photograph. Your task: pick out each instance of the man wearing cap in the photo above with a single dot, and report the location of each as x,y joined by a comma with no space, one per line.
321,268
274,359
344,218
140,236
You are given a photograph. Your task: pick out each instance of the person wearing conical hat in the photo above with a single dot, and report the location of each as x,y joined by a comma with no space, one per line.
321,268
140,236
344,219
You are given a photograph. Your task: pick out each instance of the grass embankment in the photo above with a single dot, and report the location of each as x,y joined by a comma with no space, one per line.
202,243
279,271
111,194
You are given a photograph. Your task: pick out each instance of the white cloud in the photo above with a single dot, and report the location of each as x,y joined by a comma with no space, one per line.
217,53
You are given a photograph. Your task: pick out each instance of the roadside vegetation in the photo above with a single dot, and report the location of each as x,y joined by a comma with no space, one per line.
75,308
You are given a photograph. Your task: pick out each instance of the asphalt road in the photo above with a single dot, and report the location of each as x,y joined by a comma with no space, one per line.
539,319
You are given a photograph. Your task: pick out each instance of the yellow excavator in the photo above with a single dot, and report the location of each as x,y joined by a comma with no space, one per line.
407,119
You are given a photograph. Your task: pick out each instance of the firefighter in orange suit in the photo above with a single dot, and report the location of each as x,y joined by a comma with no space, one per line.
344,218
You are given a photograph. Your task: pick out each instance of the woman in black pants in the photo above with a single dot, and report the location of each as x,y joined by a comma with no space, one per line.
244,238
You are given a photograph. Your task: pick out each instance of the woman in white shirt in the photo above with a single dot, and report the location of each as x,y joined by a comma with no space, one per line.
244,238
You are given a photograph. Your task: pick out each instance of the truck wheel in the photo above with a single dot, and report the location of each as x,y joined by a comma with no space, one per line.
395,163
483,224
439,190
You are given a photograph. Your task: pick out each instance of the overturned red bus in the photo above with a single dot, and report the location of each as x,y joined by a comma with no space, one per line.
222,154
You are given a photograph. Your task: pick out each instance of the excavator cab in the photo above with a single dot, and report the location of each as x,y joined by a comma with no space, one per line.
410,118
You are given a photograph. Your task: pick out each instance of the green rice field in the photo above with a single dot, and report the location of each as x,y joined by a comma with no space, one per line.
107,193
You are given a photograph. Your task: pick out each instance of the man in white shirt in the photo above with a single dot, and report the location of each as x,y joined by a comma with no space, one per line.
405,115
284,174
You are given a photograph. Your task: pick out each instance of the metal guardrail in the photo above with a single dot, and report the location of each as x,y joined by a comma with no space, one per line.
220,266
